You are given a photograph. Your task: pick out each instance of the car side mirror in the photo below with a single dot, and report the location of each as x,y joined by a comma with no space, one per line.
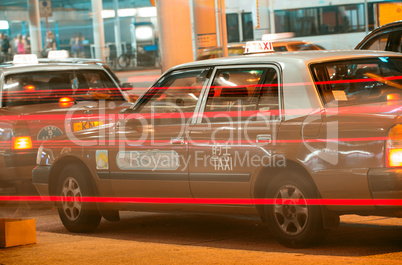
127,85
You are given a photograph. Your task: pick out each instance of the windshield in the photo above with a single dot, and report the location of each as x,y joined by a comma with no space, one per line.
359,81
48,87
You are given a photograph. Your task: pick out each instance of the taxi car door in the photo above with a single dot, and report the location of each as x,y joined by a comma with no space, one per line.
232,141
153,160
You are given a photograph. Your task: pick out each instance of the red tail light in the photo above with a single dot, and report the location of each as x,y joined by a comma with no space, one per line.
21,136
29,87
394,147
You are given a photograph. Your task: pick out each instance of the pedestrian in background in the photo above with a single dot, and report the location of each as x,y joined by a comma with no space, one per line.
5,47
20,45
50,43
27,41
77,46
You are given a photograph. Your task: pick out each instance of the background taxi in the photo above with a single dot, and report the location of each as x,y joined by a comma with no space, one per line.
279,46
37,96
297,138
385,38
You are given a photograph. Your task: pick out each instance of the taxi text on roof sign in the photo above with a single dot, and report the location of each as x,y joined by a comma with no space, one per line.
258,47
20,59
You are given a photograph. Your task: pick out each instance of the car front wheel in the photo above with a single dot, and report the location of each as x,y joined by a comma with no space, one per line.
77,215
293,221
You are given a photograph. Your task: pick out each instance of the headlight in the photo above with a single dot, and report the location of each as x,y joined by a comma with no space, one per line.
44,156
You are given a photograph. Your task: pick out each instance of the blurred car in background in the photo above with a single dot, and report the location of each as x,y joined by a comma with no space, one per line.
44,98
385,38
279,46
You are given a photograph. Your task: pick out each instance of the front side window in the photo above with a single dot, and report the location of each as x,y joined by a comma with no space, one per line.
359,81
378,43
48,87
248,94
174,98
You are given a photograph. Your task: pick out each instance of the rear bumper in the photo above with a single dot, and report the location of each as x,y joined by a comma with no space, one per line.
40,178
385,183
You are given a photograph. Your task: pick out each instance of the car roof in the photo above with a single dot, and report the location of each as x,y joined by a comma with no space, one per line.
60,61
389,25
71,60
283,57
383,29
50,65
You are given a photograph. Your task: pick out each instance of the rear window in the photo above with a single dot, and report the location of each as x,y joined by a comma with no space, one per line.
48,87
360,81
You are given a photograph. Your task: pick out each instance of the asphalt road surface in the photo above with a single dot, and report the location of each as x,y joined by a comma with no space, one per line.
156,238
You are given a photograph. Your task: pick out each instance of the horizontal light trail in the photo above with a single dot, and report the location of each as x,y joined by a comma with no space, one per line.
113,114
214,201
104,143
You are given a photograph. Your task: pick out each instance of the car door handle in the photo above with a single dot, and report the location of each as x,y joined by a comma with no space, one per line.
264,138
177,141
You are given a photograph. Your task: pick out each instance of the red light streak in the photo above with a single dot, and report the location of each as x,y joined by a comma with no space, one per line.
214,201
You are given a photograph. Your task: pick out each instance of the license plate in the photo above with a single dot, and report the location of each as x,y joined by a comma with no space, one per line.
78,126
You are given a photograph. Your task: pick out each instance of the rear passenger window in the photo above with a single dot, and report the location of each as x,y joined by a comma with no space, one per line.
243,95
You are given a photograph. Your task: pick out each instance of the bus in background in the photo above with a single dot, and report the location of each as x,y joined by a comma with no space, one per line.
343,25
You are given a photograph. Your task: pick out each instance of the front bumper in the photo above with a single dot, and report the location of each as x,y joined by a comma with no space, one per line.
385,183
40,179
16,166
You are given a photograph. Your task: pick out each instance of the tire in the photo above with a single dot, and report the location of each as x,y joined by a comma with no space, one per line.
76,215
123,61
292,221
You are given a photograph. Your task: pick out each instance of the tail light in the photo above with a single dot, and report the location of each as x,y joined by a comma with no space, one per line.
393,96
394,147
29,87
21,136
66,102
22,143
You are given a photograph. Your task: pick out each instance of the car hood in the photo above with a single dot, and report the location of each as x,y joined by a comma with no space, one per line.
49,120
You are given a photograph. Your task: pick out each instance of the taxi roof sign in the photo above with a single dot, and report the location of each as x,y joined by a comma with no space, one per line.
258,47
21,59
58,54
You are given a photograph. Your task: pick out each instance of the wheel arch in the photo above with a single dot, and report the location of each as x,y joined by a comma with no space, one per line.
59,166
267,174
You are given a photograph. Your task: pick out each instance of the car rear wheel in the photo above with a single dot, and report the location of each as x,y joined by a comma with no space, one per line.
76,214
293,221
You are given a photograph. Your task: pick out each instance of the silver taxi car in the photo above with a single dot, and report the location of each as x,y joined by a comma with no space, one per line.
296,138
37,96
